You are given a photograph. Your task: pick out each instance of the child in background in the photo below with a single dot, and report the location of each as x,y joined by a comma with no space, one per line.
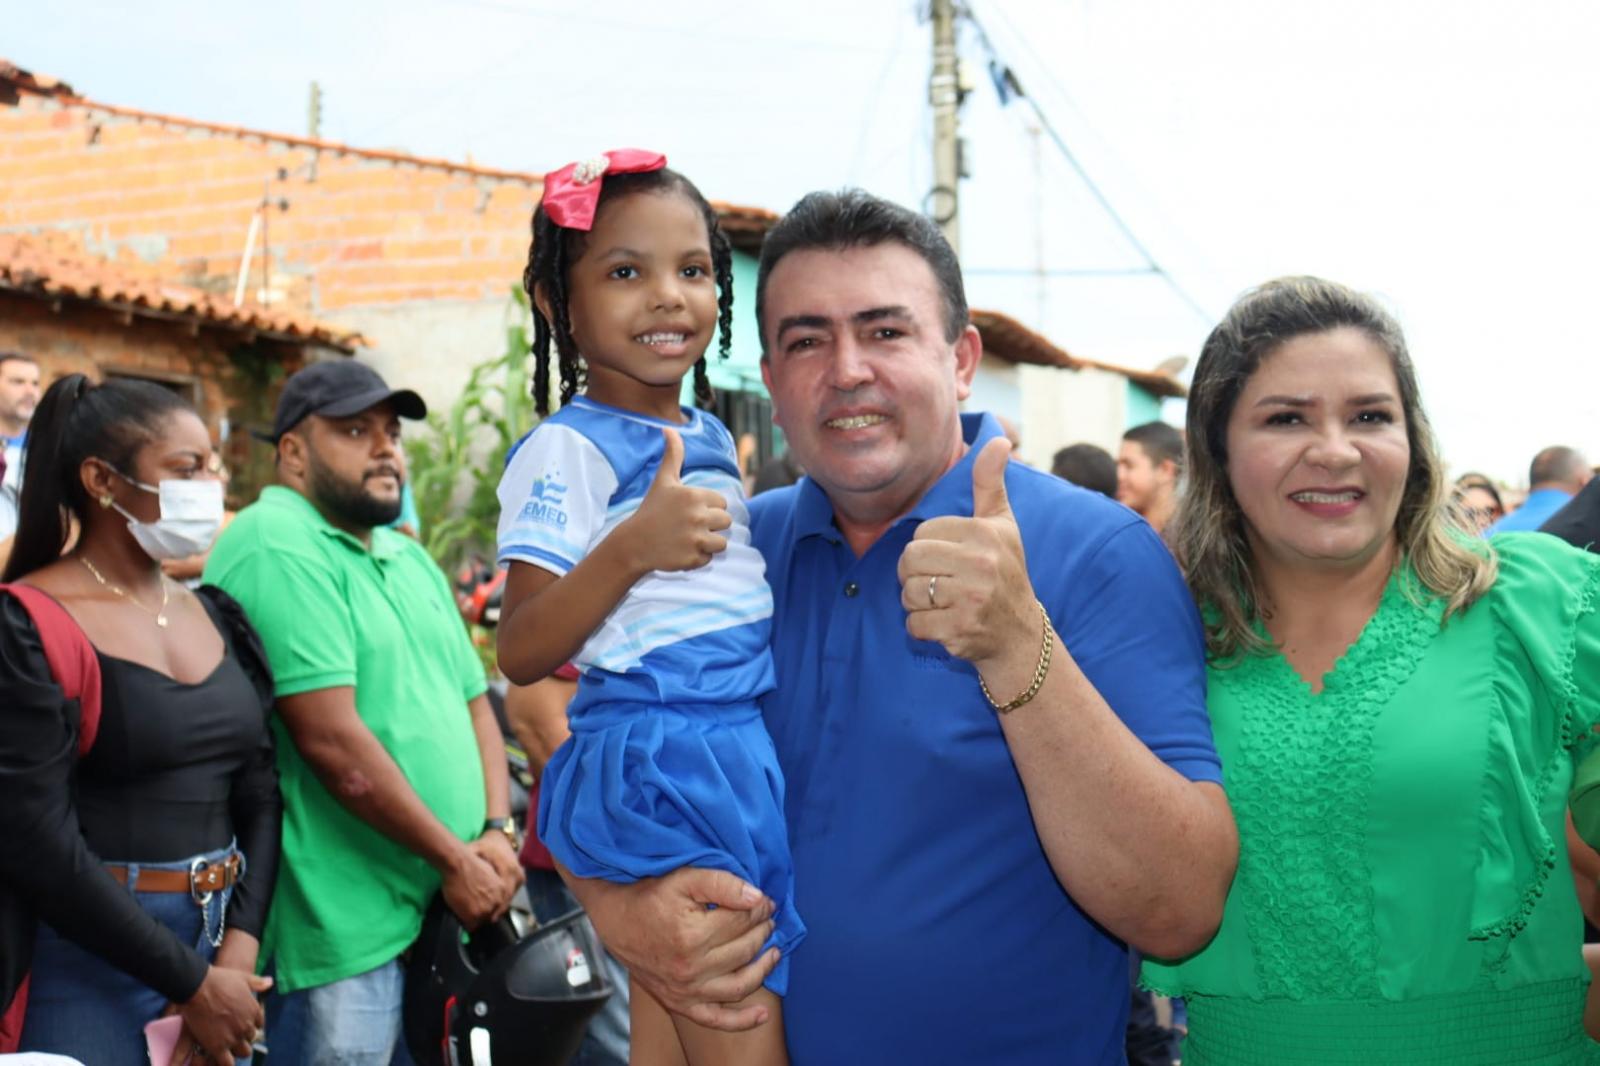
624,526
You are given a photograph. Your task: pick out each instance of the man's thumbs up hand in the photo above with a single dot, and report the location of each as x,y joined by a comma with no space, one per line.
964,581
989,498
677,526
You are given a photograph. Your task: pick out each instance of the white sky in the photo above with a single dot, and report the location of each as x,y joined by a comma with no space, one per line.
1441,154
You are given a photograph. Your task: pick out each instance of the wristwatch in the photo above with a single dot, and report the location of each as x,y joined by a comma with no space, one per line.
506,826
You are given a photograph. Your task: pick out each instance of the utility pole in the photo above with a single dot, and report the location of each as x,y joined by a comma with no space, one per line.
944,94
314,113
314,127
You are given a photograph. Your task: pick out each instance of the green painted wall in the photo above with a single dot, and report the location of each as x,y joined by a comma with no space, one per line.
741,372
1142,406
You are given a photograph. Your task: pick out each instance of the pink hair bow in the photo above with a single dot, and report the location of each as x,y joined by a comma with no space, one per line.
572,193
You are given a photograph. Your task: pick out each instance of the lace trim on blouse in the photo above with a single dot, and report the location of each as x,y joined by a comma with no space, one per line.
1301,801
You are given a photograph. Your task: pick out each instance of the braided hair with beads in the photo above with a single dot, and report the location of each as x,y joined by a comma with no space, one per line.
555,248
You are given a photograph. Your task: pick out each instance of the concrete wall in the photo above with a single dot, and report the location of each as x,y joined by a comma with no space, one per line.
1053,407
431,346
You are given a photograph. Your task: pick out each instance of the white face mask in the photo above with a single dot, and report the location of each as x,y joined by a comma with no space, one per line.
191,515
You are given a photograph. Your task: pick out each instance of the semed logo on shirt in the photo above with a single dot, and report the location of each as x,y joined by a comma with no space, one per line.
544,501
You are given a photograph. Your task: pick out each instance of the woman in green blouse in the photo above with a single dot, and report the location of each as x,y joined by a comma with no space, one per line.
1398,707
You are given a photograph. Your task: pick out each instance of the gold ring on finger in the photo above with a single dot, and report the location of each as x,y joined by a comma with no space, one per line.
933,583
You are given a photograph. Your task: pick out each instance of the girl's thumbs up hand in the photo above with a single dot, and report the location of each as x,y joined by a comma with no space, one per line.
964,581
677,526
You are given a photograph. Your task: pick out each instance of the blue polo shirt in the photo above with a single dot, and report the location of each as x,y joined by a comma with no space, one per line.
938,932
1535,510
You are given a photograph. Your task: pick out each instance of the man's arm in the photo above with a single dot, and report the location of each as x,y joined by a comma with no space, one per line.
1146,852
492,750
692,938
1143,850
494,845
538,717
360,773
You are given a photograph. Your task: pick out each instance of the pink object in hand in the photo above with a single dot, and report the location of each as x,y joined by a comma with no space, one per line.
161,1036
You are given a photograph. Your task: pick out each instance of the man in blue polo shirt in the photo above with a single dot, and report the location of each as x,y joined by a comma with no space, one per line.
990,709
1555,476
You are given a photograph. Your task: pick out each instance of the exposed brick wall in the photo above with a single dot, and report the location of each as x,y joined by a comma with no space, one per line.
83,339
364,233
87,340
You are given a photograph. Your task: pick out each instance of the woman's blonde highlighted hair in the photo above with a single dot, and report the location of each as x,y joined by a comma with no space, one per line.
1208,531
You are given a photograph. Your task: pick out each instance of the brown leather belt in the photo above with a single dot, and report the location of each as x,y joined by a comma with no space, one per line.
198,881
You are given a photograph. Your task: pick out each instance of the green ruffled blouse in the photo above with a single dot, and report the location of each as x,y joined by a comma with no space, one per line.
1402,893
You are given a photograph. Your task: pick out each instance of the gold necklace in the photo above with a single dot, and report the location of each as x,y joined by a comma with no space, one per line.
160,616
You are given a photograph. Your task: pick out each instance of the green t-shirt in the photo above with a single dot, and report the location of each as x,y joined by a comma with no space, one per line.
333,613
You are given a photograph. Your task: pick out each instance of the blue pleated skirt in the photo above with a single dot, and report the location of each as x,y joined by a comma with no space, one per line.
640,790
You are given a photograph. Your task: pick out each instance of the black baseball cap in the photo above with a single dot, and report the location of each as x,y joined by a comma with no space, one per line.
337,389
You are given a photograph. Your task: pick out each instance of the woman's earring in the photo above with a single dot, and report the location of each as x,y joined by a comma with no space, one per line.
105,500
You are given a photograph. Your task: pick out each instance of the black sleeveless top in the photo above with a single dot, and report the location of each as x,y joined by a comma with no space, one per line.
175,770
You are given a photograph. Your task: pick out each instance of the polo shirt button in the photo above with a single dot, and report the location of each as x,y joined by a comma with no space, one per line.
851,588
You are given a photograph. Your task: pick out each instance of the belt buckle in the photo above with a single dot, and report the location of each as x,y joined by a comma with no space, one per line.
197,867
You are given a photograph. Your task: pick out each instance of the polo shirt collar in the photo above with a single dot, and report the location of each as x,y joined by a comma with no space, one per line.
1547,496
283,496
951,494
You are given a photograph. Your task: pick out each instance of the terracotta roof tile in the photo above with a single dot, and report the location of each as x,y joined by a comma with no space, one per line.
1006,338
13,79
56,265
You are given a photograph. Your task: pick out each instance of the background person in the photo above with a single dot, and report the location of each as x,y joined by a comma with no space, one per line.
1555,476
1149,466
1087,465
538,717
1478,501
1398,710
178,796
19,395
393,768
1578,522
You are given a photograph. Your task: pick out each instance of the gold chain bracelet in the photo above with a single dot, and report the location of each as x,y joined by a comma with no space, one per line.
1038,674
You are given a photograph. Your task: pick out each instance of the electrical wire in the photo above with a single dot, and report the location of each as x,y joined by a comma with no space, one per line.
1070,272
870,114
1152,265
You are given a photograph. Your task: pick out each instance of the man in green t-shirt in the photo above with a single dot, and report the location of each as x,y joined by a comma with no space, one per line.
392,765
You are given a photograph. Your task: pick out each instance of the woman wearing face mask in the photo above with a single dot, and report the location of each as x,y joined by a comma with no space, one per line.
149,862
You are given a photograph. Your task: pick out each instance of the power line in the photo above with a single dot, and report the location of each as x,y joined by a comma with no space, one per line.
1082,272
1153,266
870,114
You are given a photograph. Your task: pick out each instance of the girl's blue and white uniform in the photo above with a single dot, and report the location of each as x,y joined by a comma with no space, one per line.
669,764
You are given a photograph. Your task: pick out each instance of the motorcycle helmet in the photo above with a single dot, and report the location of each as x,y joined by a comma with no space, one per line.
492,998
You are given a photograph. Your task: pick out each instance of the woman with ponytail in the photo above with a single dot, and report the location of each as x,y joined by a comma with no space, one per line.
142,869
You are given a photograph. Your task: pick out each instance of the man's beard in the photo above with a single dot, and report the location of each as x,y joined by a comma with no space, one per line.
349,503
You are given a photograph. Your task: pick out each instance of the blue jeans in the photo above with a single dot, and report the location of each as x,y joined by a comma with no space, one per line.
352,1022
606,1041
82,1006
